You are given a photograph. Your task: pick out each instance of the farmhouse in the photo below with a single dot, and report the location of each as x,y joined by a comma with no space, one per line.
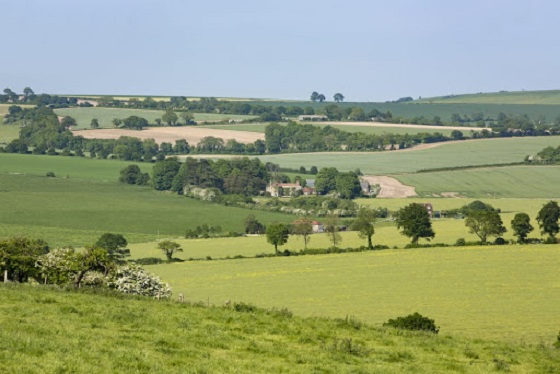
308,191
283,189
317,227
312,117
429,208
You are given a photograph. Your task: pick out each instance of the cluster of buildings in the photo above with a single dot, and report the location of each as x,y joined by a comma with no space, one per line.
276,189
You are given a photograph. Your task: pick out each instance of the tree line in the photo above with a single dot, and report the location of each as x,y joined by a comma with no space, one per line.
414,221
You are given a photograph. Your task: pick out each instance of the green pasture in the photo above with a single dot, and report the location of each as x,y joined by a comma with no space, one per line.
105,116
8,133
551,97
447,231
443,110
48,330
372,129
85,200
504,293
451,154
511,181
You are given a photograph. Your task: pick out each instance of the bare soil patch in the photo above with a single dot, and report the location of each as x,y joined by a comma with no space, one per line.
192,135
390,187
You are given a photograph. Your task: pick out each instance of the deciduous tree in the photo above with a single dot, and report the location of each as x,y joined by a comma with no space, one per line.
303,227
364,224
548,219
277,234
485,223
115,244
332,229
521,225
415,222
169,248
338,97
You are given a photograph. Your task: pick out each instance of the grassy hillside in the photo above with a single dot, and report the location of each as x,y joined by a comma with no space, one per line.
504,293
78,209
83,116
48,330
464,153
551,97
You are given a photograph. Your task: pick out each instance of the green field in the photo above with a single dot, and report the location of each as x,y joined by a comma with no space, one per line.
513,181
8,133
503,293
85,200
105,116
376,130
47,330
444,111
551,97
464,153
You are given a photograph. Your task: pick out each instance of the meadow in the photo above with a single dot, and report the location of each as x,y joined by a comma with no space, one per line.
105,116
503,293
442,155
49,330
85,200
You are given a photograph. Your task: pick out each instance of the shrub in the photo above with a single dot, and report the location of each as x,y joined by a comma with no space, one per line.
413,322
50,174
132,279
461,242
500,241
244,307
148,261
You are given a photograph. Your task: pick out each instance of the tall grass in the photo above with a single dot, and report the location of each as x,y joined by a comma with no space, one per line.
49,330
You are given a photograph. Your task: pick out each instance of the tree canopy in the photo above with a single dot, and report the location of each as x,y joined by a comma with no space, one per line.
485,223
548,219
521,225
415,222
277,234
364,224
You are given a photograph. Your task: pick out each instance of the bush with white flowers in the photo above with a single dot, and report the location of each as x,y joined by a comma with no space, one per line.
133,279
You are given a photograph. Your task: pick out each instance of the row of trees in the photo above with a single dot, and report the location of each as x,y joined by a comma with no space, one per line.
414,222
483,220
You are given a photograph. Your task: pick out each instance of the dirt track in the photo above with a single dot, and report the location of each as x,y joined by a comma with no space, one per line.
391,187
192,135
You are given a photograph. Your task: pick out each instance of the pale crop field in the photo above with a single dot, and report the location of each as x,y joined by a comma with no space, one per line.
502,293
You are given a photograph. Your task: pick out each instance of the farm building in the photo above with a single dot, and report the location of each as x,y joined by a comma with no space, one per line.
429,208
308,191
312,117
317,227
283,189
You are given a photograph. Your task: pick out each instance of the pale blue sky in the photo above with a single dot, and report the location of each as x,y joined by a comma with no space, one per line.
367,50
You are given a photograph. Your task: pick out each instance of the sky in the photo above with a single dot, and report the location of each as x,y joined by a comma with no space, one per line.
367,50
